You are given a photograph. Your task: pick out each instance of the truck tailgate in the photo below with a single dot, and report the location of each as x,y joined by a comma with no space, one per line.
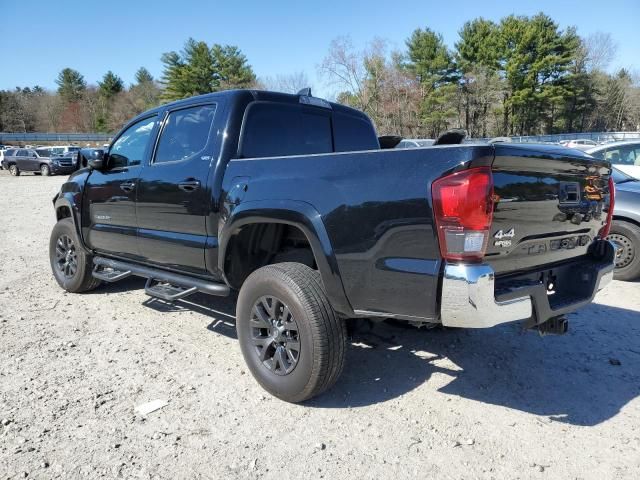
551,203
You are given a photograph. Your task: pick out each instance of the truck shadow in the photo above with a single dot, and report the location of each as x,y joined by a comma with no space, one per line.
574,378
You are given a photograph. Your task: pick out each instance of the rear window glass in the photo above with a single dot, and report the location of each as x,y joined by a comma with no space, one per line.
624,155
275,129
352,133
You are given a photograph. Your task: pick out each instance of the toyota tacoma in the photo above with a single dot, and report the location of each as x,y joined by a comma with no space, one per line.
296,204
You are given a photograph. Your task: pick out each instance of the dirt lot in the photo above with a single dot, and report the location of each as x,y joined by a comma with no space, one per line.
499,403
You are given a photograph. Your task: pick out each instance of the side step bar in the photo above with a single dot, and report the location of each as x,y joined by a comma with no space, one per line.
160,283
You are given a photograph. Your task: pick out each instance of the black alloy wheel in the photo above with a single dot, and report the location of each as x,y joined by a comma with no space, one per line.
66,256
274,333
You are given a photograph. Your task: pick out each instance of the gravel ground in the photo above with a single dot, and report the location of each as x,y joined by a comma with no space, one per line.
499,403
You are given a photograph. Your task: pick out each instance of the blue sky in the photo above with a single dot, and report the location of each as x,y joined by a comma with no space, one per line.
277,36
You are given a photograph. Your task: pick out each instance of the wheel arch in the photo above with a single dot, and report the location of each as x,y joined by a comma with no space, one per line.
65,207
296,214
623,218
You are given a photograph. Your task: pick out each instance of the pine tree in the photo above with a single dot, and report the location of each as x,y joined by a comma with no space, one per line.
432,65
71,85
143,76
231,68
198,69
110,85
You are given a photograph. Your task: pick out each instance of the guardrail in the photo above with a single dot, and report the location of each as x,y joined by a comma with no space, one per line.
54,137
105,138
595,136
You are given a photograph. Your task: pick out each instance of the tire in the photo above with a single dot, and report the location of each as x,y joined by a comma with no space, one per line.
626,236
14,170
316,330
45,170
72,270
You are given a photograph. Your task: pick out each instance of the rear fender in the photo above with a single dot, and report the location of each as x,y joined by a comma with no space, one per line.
303,216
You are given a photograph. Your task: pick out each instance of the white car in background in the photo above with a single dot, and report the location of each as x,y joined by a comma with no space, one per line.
579,143
415,143
625,155
64,149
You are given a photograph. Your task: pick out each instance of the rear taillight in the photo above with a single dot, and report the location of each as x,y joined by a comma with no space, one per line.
463,210
604,231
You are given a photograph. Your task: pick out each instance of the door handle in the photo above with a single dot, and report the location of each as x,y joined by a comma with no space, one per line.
189,185
127,186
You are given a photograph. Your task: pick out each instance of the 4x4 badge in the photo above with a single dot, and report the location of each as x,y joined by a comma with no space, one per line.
500,234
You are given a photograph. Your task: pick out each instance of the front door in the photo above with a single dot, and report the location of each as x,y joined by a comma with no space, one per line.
109,221
23,160
174,198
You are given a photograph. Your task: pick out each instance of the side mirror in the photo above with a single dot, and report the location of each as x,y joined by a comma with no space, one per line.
95,158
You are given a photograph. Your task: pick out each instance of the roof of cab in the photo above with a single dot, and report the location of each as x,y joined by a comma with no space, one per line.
244,96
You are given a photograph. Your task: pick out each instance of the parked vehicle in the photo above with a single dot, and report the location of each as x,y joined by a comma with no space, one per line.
2,154
64,149
39,161
580,144
625,155
290,200
415,143
625,230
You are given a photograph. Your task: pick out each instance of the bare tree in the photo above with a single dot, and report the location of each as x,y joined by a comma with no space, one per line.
343,68
600,50
290,83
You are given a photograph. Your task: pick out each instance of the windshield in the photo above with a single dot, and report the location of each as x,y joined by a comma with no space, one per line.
73,149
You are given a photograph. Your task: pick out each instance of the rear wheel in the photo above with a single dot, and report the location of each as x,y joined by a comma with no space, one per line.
14,170
292,340
70,264
45,170
626,237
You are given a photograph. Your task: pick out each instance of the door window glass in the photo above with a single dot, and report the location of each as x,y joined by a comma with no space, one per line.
130,147
22,153
185,134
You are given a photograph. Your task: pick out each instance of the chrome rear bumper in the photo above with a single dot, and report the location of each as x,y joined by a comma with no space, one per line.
469,294
468,299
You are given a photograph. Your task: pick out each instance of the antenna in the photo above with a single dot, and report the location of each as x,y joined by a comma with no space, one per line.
305,92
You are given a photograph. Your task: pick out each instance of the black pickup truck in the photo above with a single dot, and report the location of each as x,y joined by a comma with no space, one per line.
290,200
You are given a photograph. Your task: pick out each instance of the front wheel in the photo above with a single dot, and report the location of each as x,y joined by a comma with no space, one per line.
291,339
14,170
71,265
45,170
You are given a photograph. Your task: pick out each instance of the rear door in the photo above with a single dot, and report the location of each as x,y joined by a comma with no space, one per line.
174,198
32,162
109,212
551,204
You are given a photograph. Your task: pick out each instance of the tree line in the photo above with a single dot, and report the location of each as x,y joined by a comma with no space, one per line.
519,76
